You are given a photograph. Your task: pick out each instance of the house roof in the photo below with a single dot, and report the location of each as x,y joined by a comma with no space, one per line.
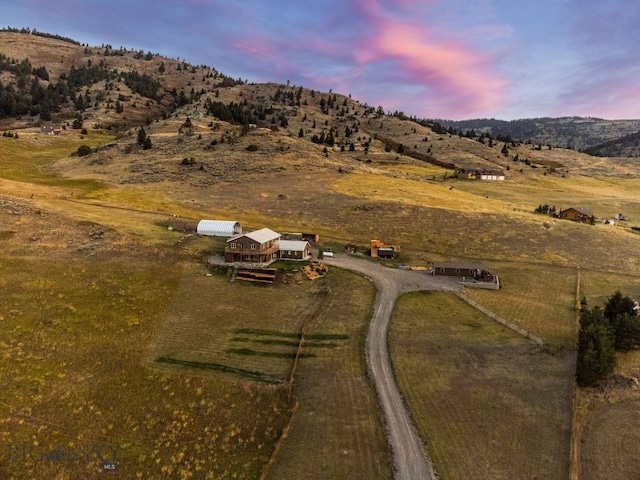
293,245
461,265
581,210
261,236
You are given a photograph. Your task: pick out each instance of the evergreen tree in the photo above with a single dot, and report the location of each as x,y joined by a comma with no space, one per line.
330,140
627,331
142,136
596,354
623,318
617,304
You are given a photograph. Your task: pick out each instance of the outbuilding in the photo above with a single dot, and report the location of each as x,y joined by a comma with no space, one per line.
219,228
458,269
294,250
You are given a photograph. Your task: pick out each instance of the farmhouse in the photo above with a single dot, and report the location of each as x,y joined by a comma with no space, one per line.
294,250
219,228
259,247
576,214
467,174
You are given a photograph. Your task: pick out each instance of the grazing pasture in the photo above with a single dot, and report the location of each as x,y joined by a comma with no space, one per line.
538,298
486,402
75,333
336,428
609,442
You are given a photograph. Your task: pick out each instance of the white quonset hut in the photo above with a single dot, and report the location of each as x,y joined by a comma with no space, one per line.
219,228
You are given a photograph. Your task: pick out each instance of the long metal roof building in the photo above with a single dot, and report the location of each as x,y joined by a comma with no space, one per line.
219,228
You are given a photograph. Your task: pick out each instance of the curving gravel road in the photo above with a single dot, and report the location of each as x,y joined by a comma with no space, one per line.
411,461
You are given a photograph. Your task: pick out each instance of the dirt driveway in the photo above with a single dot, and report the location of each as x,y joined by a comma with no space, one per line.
410,460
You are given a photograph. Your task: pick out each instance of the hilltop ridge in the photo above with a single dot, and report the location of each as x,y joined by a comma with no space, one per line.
120,90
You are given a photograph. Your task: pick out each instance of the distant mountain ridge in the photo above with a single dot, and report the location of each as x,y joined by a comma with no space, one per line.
579,133
627,146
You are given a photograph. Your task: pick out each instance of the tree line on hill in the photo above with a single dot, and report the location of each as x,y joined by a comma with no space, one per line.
29,31
28,95
602,333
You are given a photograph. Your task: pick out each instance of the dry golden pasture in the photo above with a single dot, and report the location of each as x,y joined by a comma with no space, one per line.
253,332
76,324
607,419
486,402
609,441
246,328
538,298
336,429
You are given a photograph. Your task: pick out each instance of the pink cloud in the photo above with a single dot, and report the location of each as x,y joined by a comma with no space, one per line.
438,67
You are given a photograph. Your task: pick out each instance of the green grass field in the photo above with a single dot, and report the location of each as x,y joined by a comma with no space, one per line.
486,402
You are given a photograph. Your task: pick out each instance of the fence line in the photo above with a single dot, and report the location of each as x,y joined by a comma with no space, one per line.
501,320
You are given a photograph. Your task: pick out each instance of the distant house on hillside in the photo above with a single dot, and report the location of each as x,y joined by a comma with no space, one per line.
50,130
471,174
259,247
576,214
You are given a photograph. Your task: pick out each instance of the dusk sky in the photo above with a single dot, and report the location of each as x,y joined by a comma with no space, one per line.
453,59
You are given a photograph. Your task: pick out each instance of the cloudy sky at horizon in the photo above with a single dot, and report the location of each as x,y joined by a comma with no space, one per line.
454,59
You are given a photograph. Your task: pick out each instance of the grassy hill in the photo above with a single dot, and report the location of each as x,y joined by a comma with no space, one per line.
96,288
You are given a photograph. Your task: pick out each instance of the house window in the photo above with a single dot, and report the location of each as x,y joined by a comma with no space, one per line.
253,246
233,245
289,252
